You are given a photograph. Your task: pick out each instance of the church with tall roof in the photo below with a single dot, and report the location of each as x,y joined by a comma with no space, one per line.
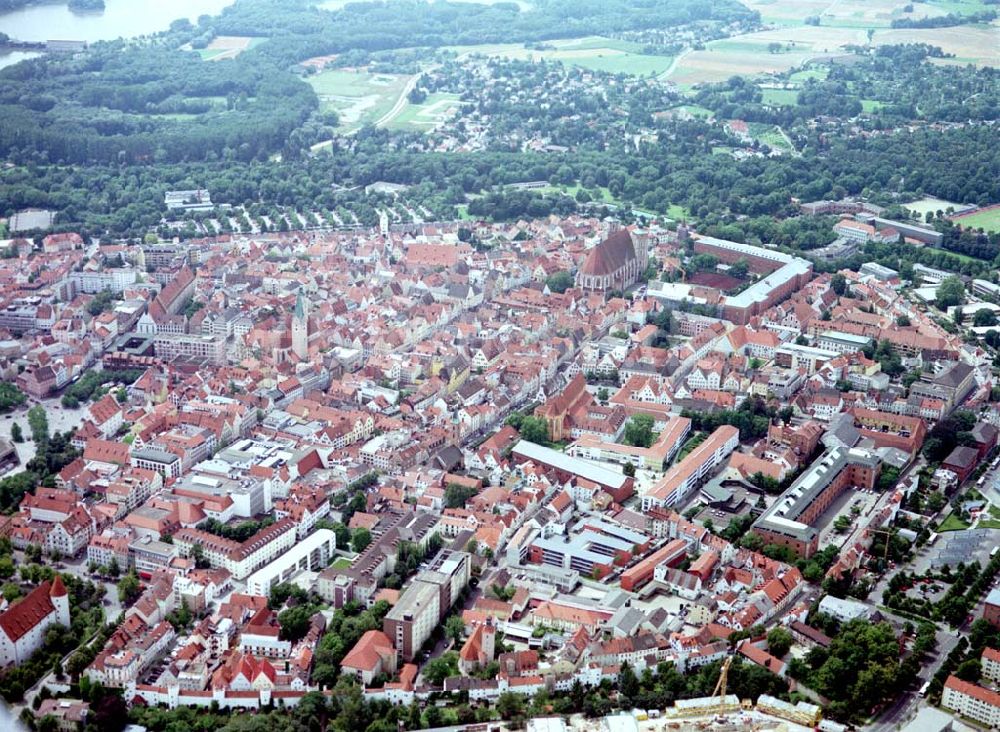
615,263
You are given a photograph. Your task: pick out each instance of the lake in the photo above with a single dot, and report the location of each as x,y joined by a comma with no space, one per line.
119,19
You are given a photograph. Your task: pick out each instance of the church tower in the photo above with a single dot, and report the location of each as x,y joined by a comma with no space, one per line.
300,328
60,600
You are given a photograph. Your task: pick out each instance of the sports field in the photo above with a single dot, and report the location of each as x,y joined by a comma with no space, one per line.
593,52
426,116
359,97
929,203
987,219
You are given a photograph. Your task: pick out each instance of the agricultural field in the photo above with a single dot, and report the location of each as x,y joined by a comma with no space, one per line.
223,47
750,54
971,44
858,13
426,116
359,97
987,219
595,53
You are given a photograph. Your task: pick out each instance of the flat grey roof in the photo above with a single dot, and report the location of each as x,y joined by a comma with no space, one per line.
584,468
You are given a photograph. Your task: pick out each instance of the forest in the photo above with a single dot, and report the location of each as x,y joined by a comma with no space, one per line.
155,102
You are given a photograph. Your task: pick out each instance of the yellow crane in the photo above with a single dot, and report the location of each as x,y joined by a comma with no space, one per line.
720,685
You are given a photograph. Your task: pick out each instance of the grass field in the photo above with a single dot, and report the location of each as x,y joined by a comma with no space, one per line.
359,97
769,135
952,523
780,97
341,563
423,117
988,220
818,73
929,203
593,52
694,110
599,194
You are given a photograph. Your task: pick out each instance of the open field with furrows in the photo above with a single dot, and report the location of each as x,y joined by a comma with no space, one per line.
426,116
359,97
971,44
749,54
858,13
223,47
594,52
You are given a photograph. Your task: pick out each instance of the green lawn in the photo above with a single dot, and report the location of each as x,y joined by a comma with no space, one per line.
986,220
769,135
870,105
952,523
818,73
592,42
599,194
425,116
626,63
693,441
341,563
359,97
678,212
780,97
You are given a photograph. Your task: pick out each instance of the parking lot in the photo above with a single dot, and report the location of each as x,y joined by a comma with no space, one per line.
855,505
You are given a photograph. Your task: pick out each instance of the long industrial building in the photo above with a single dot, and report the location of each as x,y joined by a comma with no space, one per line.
788,522
681,480
618,485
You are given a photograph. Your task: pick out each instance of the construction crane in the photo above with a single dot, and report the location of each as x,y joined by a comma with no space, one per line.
888,539
720,685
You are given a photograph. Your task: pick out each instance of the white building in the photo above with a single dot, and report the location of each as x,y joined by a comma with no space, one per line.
972,701
311,554
23,625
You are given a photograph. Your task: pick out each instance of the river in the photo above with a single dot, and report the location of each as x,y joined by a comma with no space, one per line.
119,19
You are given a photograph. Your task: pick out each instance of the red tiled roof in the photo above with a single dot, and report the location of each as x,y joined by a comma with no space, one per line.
29,612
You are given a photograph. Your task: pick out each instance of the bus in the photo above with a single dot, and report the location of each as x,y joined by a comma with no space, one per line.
924,688
993,551
932,538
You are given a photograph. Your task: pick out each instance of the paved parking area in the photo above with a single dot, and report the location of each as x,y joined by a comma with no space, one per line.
856,505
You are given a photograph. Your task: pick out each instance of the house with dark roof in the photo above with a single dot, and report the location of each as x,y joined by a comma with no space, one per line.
961,461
